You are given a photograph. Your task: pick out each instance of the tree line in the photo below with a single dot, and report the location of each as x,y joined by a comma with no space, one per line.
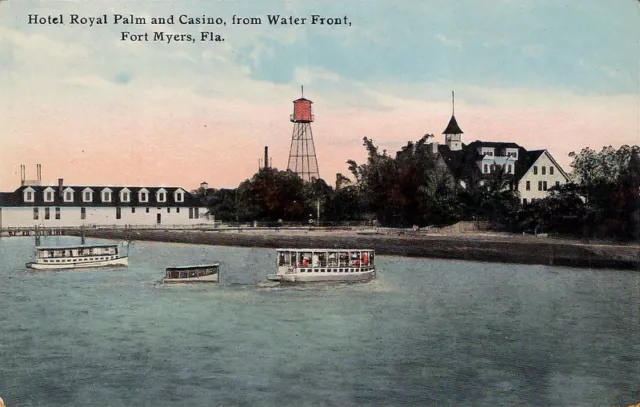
414,187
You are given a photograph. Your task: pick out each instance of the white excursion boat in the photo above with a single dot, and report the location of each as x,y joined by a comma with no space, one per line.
82,256
205,273
310,265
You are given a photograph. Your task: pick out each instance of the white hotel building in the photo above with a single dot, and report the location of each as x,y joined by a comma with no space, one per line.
62,205
532,172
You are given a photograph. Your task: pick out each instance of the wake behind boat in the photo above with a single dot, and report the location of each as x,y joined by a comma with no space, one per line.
81,256
204,273
311,265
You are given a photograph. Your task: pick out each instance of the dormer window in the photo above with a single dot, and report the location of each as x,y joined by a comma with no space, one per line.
28,195
106,195
125,195
143,195
87,195
48,194
161,195
178,195
68,195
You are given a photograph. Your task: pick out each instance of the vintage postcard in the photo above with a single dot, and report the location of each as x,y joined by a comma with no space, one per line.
319,203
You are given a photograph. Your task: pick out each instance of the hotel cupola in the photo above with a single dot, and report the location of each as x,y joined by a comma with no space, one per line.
453,133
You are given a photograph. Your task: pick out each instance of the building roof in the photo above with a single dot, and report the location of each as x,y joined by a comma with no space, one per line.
452,127
494,144
525,160
16,198
457,161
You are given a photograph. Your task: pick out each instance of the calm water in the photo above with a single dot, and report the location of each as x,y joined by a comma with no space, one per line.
426,332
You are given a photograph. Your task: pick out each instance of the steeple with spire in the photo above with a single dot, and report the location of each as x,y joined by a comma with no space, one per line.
453,133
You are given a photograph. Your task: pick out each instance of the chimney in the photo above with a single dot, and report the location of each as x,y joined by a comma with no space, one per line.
266,156
22,174
39,173
60,187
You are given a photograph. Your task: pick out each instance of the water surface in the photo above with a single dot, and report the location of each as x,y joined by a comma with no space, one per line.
426,332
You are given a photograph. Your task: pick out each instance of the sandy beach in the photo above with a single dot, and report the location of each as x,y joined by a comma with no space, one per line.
489,247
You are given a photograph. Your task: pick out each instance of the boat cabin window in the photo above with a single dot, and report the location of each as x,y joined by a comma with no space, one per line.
283,259
344,259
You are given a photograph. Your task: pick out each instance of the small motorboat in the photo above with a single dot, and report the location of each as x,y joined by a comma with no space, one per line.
203,273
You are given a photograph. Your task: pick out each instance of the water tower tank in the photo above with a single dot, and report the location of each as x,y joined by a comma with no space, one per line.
302,111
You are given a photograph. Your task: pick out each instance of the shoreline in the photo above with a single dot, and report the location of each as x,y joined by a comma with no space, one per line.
495,248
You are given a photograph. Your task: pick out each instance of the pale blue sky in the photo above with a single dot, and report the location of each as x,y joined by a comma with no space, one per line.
584,46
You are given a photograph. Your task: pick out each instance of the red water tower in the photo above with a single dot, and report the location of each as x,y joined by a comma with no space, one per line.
302,111
302,155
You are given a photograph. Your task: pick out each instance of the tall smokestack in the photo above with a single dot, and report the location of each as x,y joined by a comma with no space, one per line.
266,156
60,187
22,174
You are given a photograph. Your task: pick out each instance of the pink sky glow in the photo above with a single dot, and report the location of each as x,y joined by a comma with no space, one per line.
153,146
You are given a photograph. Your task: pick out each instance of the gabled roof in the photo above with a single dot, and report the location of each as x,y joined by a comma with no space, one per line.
526,159
452,127
16,198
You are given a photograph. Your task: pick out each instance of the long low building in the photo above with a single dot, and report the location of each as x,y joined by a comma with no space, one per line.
90,205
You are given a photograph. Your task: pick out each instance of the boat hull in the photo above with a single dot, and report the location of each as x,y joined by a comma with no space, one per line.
319,277
204,279
119,262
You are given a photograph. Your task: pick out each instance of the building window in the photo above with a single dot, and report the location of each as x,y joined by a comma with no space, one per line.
48,196
179,197
544,170
147,210
124,196
190,213
28,196
36,214
83,213
47,214
535,170
87,197
118,213
551,170
544,185
528,185
524,201
161,197
539,185
509,169
486,168
557,182
106,196
177,210
58,213
196,215
168,210
68,197
133,210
